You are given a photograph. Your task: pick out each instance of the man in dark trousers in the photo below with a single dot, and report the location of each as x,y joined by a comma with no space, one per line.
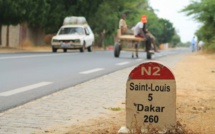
139,31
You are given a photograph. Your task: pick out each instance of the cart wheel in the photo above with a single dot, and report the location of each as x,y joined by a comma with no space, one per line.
148,55
116,50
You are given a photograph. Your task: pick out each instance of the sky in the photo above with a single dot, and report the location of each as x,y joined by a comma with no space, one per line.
185,26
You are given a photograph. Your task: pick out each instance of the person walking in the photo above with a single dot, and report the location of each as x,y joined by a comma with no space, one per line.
193,44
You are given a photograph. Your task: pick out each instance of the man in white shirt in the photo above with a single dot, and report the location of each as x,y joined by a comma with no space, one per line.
139,29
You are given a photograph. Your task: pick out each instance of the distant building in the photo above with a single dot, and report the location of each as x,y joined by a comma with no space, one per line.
164,46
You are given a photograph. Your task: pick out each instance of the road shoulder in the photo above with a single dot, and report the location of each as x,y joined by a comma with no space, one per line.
195,78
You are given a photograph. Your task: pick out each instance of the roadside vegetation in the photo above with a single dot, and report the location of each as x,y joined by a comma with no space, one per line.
203,11
102,15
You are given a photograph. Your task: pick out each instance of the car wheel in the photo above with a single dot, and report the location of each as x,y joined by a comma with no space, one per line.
82,49
54,50
89,48
64,50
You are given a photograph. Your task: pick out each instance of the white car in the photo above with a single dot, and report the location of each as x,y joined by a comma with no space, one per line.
78,36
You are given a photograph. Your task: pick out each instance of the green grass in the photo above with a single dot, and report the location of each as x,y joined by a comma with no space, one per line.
113,108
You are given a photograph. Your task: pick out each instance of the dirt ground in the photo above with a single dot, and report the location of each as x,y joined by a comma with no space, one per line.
195,80
195,77
28,48
31,48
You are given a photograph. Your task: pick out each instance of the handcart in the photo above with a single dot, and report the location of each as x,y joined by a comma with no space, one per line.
135,41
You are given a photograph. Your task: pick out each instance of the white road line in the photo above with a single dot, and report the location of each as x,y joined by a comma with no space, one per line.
138,59
26,88
92,71
30,56
122,63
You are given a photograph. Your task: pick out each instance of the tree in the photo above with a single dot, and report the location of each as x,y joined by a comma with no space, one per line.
57,11
203,11
38,11
168,31
108,15
175,39
102,15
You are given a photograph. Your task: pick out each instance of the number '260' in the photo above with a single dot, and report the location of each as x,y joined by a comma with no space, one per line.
151,119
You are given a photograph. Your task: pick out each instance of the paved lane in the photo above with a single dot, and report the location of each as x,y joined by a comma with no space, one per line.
28,76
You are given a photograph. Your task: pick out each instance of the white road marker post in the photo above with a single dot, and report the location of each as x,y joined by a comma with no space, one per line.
150,98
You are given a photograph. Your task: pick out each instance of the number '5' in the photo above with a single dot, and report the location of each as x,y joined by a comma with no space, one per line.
150,98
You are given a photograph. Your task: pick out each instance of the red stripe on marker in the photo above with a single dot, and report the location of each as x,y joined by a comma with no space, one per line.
151,70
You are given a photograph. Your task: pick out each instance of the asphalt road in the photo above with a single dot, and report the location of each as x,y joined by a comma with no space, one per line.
28,76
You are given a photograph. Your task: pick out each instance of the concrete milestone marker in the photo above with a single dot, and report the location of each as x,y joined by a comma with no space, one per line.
150,98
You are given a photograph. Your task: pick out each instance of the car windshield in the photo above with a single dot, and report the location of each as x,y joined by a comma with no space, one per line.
72,30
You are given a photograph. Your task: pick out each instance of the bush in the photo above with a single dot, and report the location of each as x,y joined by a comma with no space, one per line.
48,38
210,46
109,41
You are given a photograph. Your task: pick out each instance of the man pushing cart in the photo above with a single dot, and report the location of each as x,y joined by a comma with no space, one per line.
140,34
